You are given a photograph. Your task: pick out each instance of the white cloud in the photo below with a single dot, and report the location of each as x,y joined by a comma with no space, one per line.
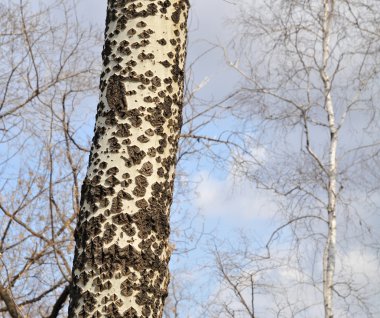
228,198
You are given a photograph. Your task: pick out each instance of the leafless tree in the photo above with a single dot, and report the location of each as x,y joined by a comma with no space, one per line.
48,77
46,74
309,73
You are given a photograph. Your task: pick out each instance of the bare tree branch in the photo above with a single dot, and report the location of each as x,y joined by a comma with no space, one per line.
12,307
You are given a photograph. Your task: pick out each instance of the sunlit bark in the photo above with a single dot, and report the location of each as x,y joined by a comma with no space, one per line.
122,253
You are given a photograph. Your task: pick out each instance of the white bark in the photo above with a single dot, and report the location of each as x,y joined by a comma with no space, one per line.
329,255
122,252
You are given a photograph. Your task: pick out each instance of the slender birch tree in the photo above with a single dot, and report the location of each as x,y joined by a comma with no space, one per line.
309,87
122,252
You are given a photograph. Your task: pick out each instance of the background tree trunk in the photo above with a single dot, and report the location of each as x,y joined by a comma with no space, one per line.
122,253
329,254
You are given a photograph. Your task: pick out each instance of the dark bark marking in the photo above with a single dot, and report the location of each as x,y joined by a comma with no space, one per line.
116,94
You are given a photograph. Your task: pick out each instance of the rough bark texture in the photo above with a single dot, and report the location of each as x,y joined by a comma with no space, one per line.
121,258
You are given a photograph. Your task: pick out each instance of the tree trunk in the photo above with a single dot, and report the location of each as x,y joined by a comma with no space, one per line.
122,253
329,254
6,297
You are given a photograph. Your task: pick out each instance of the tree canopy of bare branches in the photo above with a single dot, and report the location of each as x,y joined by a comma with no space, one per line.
48,70
309,85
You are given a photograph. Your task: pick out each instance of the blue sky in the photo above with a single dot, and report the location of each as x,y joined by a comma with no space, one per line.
221,208
215,208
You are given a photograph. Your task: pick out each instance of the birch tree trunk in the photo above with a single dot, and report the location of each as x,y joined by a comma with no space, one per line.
329,254
122,253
